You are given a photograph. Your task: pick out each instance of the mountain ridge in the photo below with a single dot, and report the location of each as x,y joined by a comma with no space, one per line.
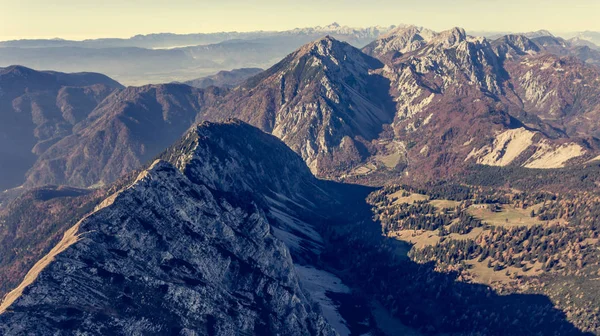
327,81
38,108
213,210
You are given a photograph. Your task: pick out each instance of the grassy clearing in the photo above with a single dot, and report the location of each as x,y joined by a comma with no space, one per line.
410,199
391,160
482,274
509,216
395,152
363,170
419,238
442,204
422,238
475,232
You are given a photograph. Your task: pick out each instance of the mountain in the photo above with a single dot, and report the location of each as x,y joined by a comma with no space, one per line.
562,47
538,33
160,58
462,99
228,231
443,87
401,39
227,79
129,128
415,102
589,36
562,91
321,100
38,109
515,46
579,42
177,251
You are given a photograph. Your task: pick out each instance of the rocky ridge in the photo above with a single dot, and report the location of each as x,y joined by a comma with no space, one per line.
178,250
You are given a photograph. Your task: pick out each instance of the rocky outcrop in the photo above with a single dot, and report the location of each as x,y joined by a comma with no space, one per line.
514,46
526,148
400,40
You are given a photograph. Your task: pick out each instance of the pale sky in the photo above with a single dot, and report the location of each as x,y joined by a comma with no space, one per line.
83,19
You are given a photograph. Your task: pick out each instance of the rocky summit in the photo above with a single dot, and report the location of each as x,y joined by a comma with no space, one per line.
322,101
175,251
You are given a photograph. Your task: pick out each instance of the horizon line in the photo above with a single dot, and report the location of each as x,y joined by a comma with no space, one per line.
127,37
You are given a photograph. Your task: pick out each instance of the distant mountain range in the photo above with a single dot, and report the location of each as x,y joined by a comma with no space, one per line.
353,35
166,57
159,58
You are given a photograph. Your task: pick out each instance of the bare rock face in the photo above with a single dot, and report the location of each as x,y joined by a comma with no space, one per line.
177,251
514,46
39,108
562,91
459,99
400,40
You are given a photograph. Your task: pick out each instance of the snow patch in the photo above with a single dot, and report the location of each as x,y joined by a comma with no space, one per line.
318,283
295,233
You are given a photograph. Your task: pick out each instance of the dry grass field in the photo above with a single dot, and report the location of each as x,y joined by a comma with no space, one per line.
509,216
412,198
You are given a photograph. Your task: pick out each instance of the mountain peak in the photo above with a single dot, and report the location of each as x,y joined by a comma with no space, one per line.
450,37
15,68
510,46
326,46
19,71
538,33
313,99
401,39
328,39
